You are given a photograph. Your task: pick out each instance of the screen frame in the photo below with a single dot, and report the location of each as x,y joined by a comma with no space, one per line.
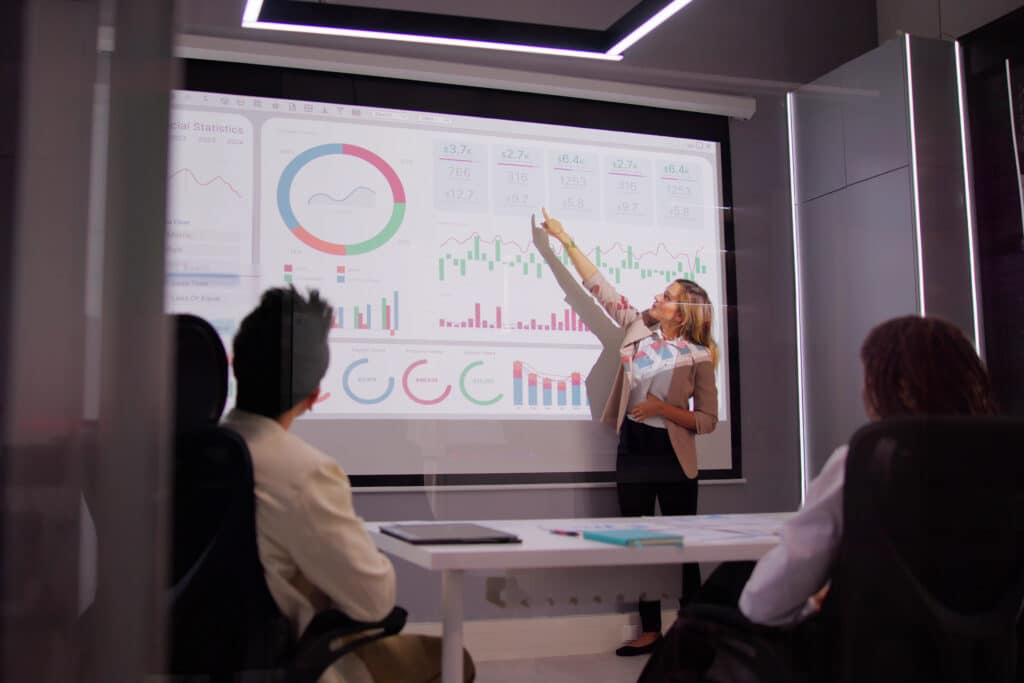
252,80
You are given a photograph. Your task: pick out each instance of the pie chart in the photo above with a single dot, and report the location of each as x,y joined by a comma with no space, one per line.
377,164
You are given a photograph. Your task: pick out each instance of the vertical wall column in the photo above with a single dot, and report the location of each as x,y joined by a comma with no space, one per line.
765,317
882,218
993,77
49,67
946,217
133,435
57,458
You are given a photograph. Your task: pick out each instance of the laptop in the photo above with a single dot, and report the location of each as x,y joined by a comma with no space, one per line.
448,533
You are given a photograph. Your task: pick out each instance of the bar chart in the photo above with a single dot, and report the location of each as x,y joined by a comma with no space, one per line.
382,315
474,253
530,387
565,320
659,263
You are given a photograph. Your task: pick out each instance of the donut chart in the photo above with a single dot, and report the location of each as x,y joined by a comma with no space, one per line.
422,401
284,205
465,392
346,385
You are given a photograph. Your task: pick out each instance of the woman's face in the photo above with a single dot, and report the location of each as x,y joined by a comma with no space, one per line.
666,305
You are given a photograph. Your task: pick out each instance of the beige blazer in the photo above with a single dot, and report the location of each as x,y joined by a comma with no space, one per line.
696,379
315,551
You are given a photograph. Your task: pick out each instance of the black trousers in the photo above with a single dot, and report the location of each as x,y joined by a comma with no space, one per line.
726,583
647,470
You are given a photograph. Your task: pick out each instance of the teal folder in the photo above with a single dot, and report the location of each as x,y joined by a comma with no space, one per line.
633,537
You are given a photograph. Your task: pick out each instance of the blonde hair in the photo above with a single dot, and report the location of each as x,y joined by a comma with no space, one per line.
697,317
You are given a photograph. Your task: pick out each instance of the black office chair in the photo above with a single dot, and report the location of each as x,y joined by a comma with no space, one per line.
929,580
224,624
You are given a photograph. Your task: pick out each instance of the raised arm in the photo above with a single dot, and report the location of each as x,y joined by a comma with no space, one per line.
584,266
616,305
578,298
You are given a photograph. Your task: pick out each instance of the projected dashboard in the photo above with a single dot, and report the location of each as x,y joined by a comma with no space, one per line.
416,227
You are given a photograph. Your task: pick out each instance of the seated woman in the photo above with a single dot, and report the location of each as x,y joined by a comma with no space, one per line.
912,366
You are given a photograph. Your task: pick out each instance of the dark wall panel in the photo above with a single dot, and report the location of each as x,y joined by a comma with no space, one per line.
997,195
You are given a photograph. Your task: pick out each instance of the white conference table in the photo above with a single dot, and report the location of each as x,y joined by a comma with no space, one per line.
707,538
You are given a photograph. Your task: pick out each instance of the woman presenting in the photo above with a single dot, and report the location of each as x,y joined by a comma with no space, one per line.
668,357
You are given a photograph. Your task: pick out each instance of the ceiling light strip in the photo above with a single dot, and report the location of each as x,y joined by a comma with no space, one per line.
253,8
643,29
251,13
430,40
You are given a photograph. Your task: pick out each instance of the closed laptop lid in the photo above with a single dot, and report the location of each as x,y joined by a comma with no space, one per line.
448,532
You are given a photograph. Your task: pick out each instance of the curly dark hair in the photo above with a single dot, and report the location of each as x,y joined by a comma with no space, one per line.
917,365
280,351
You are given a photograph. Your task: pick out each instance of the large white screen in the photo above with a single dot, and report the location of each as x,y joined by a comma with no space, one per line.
416,226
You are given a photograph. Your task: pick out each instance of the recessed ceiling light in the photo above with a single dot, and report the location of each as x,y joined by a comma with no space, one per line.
433,29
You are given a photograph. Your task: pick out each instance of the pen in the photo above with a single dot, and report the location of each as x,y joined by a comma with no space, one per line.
560,532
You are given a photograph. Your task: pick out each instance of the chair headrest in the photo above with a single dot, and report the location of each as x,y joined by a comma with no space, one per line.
201,374
926,438
976,455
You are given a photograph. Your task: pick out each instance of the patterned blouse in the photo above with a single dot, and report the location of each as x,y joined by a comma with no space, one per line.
649,369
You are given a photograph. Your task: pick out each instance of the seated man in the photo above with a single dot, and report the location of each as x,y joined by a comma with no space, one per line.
315,550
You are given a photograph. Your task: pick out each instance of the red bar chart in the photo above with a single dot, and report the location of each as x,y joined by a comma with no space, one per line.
565,320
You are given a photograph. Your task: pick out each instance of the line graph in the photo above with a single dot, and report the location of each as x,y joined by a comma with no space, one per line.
209,190
461,256
189,175
465,253
359,197
619,258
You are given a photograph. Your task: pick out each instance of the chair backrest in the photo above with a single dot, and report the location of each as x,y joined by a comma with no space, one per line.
201,374
929,580
221,613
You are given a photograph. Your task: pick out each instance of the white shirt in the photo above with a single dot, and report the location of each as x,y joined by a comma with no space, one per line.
315,551
789,574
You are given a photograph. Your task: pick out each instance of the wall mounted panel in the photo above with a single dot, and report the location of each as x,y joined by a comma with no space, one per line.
856,247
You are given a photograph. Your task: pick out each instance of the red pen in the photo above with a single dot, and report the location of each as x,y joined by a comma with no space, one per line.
560,532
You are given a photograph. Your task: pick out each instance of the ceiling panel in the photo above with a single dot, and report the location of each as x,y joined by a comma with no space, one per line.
731,46
571,13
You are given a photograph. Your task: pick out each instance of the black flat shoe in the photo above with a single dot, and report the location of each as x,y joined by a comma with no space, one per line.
633,650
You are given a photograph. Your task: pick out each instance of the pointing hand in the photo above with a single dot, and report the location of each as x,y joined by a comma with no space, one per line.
552,225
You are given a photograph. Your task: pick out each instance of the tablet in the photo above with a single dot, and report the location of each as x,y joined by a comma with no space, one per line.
448,532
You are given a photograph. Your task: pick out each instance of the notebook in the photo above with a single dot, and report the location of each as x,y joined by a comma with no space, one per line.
633,537
448,532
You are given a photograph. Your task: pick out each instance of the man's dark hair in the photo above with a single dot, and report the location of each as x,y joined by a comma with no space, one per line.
280,351
924,366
